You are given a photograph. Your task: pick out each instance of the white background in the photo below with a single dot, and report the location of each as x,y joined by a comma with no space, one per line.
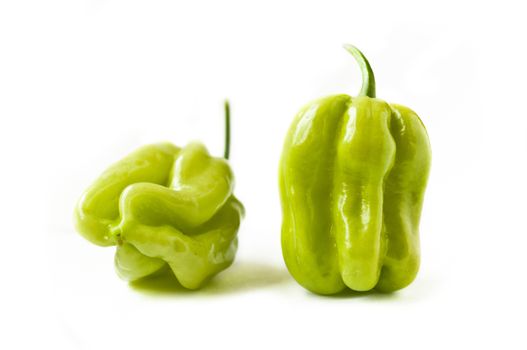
82,83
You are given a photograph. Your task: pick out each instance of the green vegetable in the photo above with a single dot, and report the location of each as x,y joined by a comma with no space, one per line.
352,179
165,205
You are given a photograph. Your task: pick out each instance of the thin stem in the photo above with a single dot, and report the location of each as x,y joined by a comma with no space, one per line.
368,80
227,129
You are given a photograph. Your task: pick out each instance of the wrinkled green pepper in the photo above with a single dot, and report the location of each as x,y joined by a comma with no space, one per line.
165,205
353,174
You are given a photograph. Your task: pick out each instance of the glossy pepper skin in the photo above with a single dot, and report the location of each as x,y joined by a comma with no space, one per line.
353,174
165,205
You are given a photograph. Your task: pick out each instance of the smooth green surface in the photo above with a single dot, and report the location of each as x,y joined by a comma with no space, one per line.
352,178
164,205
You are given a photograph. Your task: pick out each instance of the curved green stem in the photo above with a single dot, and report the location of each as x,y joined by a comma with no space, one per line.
227,130
368,80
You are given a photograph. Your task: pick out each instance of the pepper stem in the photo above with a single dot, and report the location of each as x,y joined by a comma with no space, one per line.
227,130
368,80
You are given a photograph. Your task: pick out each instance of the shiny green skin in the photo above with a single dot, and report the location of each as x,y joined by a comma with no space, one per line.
164,205
353,174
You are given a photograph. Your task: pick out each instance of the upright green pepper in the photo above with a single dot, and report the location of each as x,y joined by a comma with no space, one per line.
165,205
352,180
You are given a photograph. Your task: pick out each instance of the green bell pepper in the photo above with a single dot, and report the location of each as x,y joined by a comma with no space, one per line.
165,205
353,174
